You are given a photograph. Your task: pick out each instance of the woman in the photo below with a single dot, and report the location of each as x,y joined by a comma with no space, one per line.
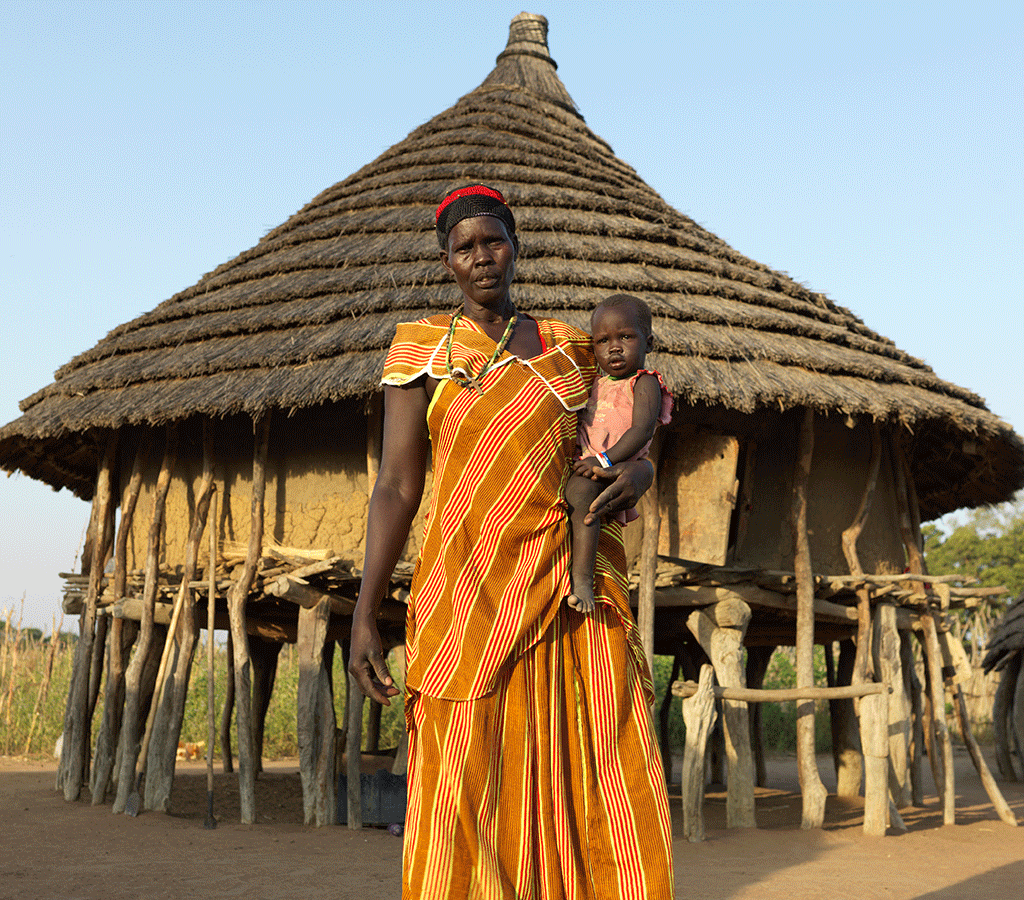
534,772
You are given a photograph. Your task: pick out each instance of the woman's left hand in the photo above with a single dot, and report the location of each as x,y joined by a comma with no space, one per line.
629,482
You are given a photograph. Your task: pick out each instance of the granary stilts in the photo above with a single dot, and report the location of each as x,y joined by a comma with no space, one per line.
699,718
758,659
227,757
955,661
889,670
237,598
143,661
847,751
74,750
170,710
122,635
913,689
315,715
263,656
720,630
811,788
649,558
941,742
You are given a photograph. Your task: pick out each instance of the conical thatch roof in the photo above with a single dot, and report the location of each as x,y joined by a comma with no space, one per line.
305,316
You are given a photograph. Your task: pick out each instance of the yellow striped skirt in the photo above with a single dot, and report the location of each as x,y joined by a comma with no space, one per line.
549,787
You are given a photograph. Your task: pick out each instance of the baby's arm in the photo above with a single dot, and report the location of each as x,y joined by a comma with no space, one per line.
646,407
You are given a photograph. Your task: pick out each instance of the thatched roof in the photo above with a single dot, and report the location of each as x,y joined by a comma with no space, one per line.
1007,638
305,316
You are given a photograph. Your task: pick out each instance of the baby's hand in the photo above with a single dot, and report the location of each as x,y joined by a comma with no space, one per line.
585,467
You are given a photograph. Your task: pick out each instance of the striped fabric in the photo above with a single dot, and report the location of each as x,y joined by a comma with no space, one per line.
534,772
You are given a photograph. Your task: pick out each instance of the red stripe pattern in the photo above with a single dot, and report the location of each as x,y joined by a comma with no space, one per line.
534,772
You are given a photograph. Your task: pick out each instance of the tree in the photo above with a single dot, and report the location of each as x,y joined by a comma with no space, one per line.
988,544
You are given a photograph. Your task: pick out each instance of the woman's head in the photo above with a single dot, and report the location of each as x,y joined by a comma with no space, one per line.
620,328
479,247
469,202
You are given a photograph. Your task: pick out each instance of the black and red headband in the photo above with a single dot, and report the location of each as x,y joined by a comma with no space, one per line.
467,202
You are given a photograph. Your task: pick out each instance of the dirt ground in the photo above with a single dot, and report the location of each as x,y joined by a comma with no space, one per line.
53,849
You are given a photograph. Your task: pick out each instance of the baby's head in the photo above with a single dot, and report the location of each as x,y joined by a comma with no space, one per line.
620,327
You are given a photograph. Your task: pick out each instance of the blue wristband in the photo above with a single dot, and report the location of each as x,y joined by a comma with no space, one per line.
604,460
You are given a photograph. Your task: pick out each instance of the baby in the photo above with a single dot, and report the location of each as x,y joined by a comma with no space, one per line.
626,405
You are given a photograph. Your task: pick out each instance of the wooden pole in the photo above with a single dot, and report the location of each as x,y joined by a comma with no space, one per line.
314,719
122,635
912,688
211,670
237,599
136,675
846,749
74,748
889,667
758,659
699,718
874,718
862,662
953,651
941,741
811,788
719,629
180,647
353,749
649,559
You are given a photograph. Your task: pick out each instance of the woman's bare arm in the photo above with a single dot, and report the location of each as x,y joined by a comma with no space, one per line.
396,497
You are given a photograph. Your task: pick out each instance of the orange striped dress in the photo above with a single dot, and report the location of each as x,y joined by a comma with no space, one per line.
533,768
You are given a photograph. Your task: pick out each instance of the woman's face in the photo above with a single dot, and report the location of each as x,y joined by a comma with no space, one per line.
482,256
620,346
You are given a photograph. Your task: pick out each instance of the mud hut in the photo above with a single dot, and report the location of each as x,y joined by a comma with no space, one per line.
806,449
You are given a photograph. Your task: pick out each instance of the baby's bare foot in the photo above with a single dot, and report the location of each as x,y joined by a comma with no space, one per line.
580,603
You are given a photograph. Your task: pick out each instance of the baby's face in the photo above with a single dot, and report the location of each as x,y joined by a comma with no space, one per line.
620,346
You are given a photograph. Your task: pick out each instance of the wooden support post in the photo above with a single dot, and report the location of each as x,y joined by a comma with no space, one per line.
226,755
211,671
315,723
941,741
136,675
649,559
398,670
953,653
170,711
862,662
264,654
74,749
699,717
846,750
758,659
912,688
354,745
874,720
889,668
811,788
237,599
720,630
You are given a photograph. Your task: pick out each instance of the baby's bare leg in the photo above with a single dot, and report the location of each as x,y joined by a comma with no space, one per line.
580,492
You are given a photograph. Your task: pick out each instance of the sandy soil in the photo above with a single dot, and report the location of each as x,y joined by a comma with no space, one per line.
50,848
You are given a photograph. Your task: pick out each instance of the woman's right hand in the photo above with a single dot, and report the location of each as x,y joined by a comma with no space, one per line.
367,664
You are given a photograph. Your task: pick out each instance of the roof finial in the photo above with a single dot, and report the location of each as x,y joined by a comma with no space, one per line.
528,36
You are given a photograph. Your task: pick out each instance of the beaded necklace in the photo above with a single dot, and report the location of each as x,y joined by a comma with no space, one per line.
472,380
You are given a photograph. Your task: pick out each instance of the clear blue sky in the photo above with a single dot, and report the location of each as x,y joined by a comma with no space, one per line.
870,150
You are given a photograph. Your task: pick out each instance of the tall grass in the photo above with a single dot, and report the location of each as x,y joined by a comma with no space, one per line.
35,675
